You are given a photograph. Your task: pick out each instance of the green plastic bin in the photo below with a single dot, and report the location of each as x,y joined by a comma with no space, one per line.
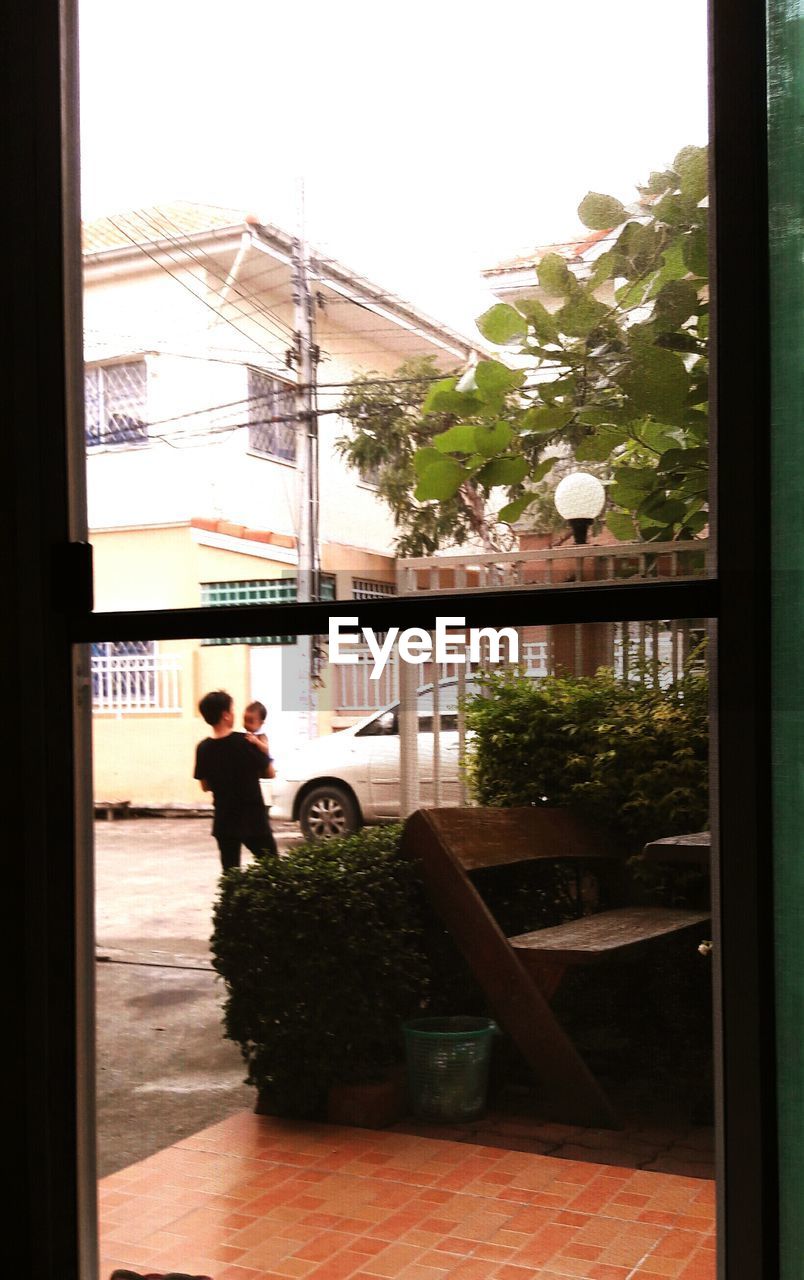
448,1066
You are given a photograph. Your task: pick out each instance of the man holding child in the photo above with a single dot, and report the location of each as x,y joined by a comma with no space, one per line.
230,765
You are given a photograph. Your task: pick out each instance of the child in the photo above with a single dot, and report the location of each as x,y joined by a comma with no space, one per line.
253,723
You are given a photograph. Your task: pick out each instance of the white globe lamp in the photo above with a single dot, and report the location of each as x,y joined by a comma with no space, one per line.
579,499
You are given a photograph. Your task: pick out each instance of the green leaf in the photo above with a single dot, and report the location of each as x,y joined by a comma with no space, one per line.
494,379
691,166
424,458
599,445
541,469
695,249
460,439
678,342
664,511
555,276
658,182
502,324
461,403
656,383
683,458
556,389
444,384
608,265
547,418
676,301
591,416
493,439
599,212
440,481
659,436
540,319
503,471
675,210
621,525
510,513
580,315
673,267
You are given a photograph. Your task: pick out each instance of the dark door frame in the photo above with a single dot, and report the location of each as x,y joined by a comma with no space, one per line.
42,715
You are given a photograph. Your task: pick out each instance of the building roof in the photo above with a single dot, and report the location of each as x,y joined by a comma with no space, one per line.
182,224
575,251
142,227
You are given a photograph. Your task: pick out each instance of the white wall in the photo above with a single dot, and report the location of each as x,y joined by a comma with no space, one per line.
215,476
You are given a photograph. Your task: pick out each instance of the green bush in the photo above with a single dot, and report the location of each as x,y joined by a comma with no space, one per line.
321,955
629,757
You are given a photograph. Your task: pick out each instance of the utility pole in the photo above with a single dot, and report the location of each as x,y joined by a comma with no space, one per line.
306,360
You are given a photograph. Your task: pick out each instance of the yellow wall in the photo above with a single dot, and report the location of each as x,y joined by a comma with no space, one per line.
147,758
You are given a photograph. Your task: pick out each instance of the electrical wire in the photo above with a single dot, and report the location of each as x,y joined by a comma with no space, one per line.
247,297
243,333
207,262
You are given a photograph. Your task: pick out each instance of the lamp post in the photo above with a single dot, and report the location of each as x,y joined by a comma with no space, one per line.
580,498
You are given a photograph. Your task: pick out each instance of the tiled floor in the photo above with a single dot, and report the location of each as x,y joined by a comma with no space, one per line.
255,1197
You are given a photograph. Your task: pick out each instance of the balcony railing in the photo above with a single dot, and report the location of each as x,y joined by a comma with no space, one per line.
552,566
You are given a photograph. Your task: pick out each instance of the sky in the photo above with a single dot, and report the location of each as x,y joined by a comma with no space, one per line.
433,138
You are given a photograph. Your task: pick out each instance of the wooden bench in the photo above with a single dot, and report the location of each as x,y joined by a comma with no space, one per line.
521,974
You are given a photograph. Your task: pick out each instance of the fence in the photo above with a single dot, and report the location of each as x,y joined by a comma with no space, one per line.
136,683
356,693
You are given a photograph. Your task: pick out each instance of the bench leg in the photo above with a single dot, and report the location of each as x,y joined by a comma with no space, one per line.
547,975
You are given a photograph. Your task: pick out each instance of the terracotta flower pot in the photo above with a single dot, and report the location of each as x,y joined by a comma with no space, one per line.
371,1105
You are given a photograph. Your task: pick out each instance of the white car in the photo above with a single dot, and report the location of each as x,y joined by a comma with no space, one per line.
334,785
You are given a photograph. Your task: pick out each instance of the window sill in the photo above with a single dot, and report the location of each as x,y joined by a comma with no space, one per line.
272,457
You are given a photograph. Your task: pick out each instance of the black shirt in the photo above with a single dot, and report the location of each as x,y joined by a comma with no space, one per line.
232,767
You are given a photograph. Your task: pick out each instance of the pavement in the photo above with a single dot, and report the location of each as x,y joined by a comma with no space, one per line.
164,1070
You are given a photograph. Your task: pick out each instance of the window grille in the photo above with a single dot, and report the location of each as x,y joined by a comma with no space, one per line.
370,475
115,403
367,589
257,591
271,416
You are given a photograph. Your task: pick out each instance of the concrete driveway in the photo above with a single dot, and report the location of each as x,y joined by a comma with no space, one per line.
164,1070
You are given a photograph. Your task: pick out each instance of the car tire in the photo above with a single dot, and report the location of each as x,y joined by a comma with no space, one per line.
328,811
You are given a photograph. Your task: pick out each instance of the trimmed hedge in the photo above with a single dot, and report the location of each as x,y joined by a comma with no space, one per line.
322,958
632,758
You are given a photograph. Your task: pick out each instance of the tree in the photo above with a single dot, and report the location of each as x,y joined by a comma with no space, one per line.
616,371
388,433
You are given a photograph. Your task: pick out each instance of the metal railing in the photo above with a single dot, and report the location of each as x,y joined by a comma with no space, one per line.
355,691
127,684
636,651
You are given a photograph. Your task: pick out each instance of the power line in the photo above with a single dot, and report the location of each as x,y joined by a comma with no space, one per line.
206,262
143,249
247,297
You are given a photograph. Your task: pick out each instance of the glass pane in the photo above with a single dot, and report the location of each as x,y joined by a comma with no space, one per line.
285,381
601,733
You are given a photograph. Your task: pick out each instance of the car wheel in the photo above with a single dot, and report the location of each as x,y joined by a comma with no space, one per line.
328,811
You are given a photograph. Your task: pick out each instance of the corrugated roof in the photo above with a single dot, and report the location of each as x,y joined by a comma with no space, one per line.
150,226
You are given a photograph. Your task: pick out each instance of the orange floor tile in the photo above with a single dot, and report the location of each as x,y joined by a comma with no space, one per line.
255,1198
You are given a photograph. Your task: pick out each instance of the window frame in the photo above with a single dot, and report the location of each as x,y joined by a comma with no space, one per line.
51,624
